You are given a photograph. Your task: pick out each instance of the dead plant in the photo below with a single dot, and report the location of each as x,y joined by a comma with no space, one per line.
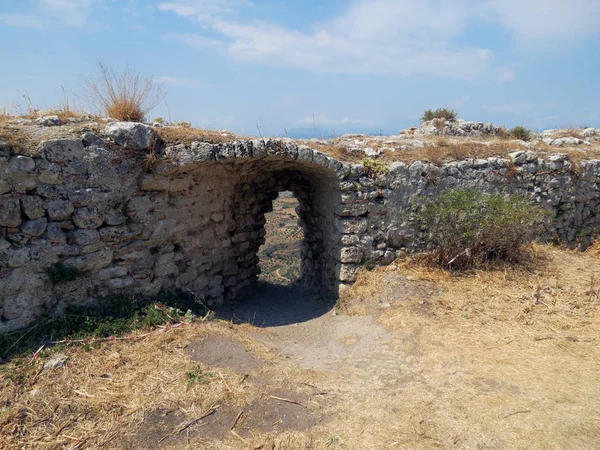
124,96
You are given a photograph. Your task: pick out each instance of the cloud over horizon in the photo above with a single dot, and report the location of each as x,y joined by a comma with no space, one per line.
387,37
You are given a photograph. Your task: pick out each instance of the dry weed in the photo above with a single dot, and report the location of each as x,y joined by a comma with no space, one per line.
187,134
123,96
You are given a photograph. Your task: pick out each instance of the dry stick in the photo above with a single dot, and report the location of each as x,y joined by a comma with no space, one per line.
237,419
225,382
211,410
286,400
466,252
517,412
238,436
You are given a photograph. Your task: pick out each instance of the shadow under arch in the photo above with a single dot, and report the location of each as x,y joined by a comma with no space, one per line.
272,305
317,190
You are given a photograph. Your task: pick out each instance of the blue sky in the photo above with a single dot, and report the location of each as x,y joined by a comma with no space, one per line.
361,65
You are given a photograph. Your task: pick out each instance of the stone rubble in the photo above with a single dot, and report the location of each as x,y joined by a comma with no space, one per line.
458,127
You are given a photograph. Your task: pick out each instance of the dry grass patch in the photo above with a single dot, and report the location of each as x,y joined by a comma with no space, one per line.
337,151
505,358
13,134
443,150
186,135
119,394
569,132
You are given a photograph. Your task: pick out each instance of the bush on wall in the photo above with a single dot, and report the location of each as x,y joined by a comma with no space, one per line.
469,228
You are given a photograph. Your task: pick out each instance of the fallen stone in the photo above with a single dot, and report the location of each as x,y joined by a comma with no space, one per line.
49,121
58,360
130,134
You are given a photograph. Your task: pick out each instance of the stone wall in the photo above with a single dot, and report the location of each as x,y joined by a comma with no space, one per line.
194,219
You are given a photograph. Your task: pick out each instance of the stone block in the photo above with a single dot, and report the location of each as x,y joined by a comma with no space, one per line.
60,209
88,218
10,212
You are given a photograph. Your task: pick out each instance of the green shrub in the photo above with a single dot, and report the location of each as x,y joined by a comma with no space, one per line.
469,228
520,132
197,375
440,113
374,167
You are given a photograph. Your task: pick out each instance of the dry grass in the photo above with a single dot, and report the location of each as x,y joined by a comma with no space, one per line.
123,96
443,150
505,358
186,135
102,395
569,132
11,133
337,151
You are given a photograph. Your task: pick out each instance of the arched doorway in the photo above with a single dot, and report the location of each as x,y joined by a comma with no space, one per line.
280,254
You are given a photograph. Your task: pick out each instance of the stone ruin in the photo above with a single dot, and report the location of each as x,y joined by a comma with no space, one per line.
194,218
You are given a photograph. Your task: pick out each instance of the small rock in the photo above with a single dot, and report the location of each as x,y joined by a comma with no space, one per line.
49,121
371,153
20,163
116,219
567,141
60,209
518,157
92,140
130,134
88,218
58,360
590,132
4,149
34,228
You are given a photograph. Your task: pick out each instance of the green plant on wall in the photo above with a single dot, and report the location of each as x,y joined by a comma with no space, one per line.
440,113
374,167
521,133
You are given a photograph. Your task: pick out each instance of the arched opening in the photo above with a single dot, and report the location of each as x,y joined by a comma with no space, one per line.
280,255
304,286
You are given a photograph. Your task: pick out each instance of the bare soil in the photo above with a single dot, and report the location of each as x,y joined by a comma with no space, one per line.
223,351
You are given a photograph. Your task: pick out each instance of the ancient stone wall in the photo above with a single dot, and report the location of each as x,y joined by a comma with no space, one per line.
194,218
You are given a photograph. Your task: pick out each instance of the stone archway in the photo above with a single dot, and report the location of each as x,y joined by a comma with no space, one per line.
215,215
317,196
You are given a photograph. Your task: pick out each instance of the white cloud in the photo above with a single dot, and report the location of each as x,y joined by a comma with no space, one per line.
395,37
70,12
194,40
23,20
546,19
203,7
